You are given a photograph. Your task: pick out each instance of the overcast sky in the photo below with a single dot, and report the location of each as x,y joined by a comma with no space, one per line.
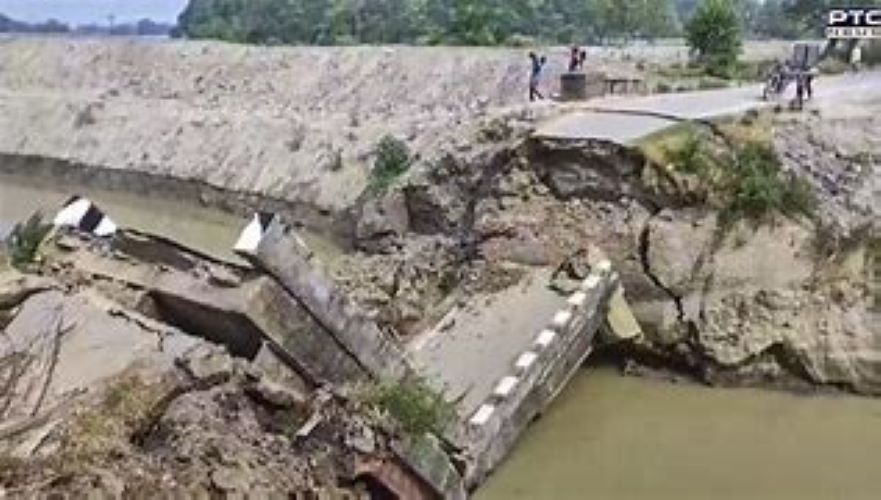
92,11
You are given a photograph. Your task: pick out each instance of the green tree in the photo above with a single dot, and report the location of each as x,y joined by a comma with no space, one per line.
713,34
472,22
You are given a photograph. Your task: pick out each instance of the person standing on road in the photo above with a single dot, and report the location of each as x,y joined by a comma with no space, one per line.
574,59
800,79
856,58
535,76
809,81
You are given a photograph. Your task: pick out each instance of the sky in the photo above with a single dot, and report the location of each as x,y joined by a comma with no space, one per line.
91,11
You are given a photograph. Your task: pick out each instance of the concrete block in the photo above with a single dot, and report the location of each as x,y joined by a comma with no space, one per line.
482,415
545,338
591,282
577,299
525,361
621,323
561,320
281,254
425,456
505,386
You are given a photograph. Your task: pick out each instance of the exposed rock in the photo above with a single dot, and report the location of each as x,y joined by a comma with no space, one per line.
381,220
208,365
276,394
678,245
16,287
597,170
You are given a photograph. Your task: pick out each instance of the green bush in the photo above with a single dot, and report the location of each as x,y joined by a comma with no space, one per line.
744,176
414,405
663,88
711,83
392,161
24,242
758,187
689,156
713,33
833,66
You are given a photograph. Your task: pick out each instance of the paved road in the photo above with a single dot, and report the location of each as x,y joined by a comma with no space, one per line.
481,343
634,121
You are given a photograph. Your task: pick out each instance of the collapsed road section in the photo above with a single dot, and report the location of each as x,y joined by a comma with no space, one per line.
289,319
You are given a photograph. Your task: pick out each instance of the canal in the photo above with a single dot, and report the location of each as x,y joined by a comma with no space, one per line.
614,437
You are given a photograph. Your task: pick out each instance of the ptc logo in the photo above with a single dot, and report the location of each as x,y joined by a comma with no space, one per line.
854,22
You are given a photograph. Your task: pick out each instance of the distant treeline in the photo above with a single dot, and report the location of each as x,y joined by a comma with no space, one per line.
477,22
144,27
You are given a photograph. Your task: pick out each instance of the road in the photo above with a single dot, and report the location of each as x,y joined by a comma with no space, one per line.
627,119
478,345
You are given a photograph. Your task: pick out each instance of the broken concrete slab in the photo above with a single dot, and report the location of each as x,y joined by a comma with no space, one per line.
15,287
494,428
427,458
245,318
282,254
60,347
621,324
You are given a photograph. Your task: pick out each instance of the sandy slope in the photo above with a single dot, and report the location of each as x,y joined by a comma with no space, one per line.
296,123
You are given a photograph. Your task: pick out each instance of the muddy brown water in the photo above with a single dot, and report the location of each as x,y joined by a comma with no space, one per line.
186,221
204,229
614,437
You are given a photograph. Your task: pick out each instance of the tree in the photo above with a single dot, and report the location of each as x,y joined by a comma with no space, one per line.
713,34
472,22
771,21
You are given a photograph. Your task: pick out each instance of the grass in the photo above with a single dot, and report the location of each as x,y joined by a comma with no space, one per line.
392,161
742,178
414,405
127,405
24,242
757,187
681,77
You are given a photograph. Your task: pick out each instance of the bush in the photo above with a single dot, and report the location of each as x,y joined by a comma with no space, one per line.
392,160
833,66
745,177
758,187
25,239
710,83
688,156
663,88
414,405
713,33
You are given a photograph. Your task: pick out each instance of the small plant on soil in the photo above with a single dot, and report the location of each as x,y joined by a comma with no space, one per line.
126,409
413,404
392,160
743,176
25,240
759,187
689,156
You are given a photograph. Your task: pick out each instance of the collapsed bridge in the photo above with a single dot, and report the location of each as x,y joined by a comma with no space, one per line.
284,313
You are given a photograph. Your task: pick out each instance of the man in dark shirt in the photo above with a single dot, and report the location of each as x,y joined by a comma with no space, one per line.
535,76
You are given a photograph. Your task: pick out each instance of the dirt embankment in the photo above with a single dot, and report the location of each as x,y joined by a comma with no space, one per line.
787,301
298,124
